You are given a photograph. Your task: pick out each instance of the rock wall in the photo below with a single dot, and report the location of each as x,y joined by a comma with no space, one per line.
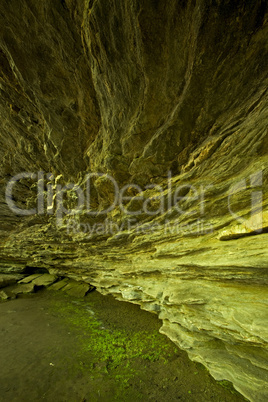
170,96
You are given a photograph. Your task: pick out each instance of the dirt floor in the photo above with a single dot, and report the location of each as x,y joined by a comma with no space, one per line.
56,348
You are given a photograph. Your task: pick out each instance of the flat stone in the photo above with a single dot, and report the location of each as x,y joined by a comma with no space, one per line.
24,288
59,285
76,289
30,278
44,280
6,279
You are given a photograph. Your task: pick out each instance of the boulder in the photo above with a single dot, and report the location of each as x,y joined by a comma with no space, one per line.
24,289
44,280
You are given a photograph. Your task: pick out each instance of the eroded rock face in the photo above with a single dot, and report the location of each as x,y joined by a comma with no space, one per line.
162,93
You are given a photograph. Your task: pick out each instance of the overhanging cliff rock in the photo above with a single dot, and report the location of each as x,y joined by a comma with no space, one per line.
134,157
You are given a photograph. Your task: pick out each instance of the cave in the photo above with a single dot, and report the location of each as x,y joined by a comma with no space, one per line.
134,161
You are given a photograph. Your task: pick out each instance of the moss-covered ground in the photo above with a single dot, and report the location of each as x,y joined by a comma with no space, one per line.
57,348
118,354
121,353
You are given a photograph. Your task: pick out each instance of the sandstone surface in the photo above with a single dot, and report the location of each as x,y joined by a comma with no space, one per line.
170,97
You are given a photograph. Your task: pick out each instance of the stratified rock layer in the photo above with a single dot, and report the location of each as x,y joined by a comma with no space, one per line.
172,93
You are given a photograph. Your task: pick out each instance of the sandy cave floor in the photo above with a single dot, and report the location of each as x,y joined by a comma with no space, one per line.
56,348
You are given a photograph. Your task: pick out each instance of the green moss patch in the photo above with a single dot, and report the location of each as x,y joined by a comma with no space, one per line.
118,354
